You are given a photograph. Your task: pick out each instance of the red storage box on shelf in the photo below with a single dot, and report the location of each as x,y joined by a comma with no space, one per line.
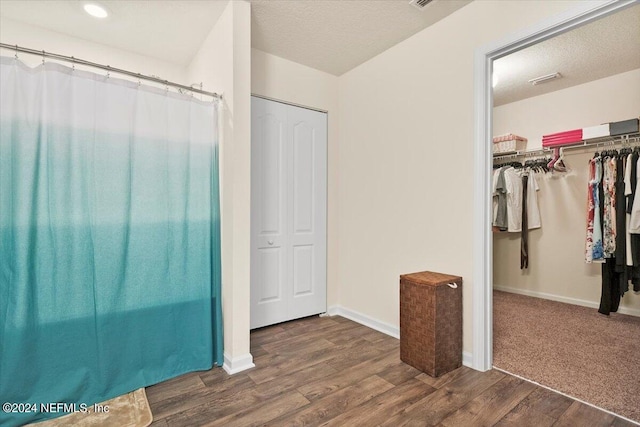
562,138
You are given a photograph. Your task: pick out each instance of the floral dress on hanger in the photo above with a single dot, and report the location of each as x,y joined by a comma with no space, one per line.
609,221
594,248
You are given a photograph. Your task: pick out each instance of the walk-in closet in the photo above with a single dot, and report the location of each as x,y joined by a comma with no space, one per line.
566,252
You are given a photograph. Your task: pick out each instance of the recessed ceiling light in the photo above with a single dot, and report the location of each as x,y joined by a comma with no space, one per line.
96,10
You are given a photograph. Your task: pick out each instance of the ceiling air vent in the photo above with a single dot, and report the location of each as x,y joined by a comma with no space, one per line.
420,4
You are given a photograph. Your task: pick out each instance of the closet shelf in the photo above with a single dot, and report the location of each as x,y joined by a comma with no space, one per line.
630,138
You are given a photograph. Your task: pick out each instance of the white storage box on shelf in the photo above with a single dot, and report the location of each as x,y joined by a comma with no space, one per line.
595,131
509,143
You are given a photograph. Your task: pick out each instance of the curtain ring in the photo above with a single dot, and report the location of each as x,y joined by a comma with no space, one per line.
108,71
43,57
73,64
16,54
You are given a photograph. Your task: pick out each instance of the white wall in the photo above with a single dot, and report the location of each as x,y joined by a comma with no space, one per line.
405,159
224,63
14,32
556,266
281,79
601,101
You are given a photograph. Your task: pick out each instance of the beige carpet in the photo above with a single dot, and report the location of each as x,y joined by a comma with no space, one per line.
571,349
129,410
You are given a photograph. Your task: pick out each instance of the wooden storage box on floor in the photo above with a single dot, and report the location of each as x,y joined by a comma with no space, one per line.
431,322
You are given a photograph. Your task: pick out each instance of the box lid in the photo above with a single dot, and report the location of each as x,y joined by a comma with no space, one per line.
508,137
625,126
431,278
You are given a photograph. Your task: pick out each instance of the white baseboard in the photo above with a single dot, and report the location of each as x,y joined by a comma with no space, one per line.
467,359
238,364
385,328
559,298
363,319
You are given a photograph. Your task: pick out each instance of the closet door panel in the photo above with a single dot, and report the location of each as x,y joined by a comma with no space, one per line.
270,175
303,160
308,211
288,212
268,214
270,273
302,270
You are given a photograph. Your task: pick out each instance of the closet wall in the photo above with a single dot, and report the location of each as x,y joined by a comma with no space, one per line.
279,78
405,199
556,262
223,64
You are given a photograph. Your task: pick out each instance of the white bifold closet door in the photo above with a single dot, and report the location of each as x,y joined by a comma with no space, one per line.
288,212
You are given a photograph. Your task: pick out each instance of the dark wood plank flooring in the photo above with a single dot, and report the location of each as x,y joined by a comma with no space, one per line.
331,371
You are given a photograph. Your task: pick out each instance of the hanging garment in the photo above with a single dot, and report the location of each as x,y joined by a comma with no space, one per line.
610,296
609,222
533,209
628,205
621,227
634,237
500,200
494,197
591,204
524,238
634,224
594,248
601,206
514,199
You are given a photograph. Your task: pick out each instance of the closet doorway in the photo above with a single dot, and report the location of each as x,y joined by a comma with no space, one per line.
288,212
546,301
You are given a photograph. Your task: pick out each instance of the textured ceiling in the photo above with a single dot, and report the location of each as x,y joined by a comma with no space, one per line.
600,49
337,35
169,30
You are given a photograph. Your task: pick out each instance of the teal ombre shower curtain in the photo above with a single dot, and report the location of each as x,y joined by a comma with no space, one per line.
109,237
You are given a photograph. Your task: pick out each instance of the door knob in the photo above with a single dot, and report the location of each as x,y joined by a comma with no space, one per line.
270,242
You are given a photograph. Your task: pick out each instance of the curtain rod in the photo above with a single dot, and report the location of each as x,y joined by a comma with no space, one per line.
109,68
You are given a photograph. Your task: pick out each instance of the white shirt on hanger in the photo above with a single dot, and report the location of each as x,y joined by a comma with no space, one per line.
514,199
627,192
634,223
494,194
533,211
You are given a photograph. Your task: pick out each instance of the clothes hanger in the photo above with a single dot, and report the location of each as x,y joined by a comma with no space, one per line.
556,156
541,164
559,164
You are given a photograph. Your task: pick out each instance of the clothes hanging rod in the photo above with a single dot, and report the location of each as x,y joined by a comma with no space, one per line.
605,141
521,153
108,68
598,142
